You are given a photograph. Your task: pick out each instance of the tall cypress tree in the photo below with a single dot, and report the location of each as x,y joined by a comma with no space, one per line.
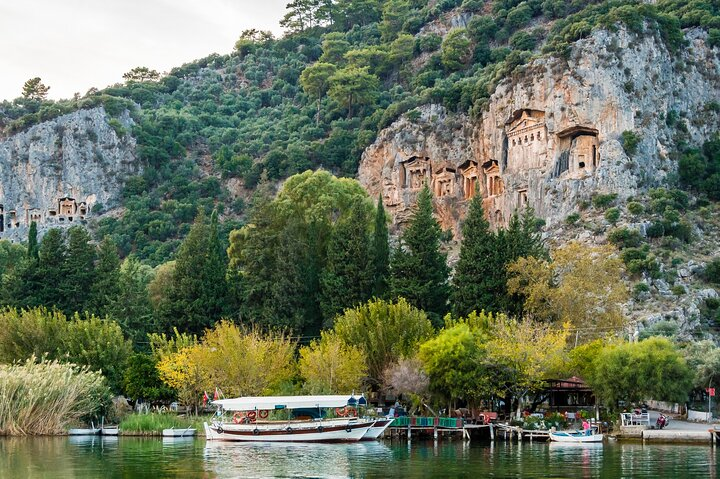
418,269
197,297
107,277
32,250
380,252
44,281
78,271
347,279
474,285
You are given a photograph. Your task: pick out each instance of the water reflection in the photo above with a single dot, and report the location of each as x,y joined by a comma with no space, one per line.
294,459
95,456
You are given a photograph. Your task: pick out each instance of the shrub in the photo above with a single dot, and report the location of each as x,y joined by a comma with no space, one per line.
678,290
572,218
625,238
630,141
635,208
640,288
712,271
612,215
602,201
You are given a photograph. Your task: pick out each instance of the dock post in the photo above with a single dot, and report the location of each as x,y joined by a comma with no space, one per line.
409,432
492,433
435,433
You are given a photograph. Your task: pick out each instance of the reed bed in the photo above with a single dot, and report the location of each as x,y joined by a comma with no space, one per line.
46,397
154,423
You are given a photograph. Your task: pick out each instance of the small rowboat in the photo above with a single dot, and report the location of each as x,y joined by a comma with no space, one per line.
577,436
172,432
92,431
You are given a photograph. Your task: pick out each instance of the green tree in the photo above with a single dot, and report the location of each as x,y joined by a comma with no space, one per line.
32,248
418,269
380,252
198,293
475,283
141,74
352,87
634,372
456,51
334,47
315,81
45,282
105,289
385,332
142,381
78,272
347,278
34,89
394,14
131,306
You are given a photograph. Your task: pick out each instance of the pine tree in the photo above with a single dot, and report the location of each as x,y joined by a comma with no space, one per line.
131,307
380,252
32,250
474,287
418,269
43,283
348,276
107,277
78,272
197,297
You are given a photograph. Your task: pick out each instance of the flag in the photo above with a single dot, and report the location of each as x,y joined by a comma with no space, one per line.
205,398
216,396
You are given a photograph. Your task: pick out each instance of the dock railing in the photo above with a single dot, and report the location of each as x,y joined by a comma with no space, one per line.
633,419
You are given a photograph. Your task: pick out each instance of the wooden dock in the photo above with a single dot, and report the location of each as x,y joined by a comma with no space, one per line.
438,427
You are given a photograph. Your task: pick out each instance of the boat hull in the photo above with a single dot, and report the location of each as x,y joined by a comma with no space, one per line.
179,432
83,432
349,431
376,430
109,431
576,438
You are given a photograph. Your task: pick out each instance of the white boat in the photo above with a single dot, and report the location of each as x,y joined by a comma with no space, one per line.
172,432
249,425
92,431
376,430
577,436
109,431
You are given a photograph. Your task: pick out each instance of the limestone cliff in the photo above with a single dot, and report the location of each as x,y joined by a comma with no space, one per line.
56,172
550,136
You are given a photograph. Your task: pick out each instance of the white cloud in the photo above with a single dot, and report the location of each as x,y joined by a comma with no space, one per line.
77,44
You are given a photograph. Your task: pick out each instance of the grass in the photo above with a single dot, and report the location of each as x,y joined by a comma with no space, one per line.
153,423
46,397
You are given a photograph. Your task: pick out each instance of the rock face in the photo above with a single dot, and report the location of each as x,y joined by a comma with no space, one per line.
57,171
551,135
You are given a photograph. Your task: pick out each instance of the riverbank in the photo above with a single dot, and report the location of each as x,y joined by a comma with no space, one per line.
152,424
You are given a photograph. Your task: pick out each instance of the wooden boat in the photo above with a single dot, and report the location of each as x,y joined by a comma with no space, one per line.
249,422
172,432
92,431
376,430
109,431
577,437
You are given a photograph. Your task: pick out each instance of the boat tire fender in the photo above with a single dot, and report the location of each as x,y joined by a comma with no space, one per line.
256,431
320,429
348,429
220,430
288,429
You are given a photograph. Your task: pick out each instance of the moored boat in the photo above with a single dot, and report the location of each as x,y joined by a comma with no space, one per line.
91,431
576,436
249,422
376,430
172,432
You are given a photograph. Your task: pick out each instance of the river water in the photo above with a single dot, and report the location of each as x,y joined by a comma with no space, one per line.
63,457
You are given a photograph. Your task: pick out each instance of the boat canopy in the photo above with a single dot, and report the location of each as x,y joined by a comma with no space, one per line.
252,403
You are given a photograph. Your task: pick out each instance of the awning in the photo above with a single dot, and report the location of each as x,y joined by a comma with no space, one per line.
252,403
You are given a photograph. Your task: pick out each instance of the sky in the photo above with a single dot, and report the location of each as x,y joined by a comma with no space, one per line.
73,45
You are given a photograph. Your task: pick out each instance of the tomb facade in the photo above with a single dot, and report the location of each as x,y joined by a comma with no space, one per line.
527,142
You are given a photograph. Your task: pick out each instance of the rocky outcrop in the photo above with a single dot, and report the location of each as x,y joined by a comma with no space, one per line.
551,135
61,172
